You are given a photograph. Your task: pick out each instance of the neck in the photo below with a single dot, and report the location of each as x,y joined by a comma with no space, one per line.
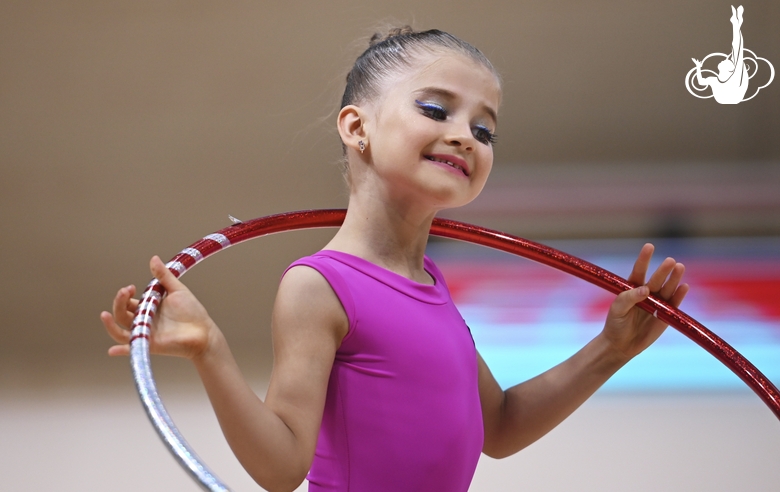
392,236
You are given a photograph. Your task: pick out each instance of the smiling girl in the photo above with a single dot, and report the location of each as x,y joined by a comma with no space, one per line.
376,382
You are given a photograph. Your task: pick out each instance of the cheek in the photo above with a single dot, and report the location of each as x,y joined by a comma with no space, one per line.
404,130
486,160
414,139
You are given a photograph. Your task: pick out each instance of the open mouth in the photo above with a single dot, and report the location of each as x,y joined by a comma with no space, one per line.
449,163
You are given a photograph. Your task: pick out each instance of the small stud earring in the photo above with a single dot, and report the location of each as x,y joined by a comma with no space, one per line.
361,146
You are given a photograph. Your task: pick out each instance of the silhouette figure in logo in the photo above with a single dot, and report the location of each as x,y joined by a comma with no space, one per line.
730,84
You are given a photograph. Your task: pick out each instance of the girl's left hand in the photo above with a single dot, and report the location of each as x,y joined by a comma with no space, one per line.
630,329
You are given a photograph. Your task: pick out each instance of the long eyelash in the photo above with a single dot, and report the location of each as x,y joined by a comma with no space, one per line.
492,137
430,109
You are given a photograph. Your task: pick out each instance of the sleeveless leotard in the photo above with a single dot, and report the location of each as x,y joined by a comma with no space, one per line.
402,411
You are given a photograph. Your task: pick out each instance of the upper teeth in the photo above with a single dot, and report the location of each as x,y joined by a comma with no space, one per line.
447,162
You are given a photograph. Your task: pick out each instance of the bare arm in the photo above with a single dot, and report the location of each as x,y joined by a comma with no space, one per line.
274,440
522,414
525,412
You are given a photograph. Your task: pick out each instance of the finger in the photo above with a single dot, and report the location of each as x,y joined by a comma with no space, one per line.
679,295
117,350
658,278
165,276
120,307
115,331
670,287
641,264
628,299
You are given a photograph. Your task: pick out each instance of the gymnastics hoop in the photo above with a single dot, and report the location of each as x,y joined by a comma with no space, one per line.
310,219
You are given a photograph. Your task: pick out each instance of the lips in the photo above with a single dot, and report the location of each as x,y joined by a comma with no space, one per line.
450,160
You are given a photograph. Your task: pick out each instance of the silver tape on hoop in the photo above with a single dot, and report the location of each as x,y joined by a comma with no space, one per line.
158,415
147,389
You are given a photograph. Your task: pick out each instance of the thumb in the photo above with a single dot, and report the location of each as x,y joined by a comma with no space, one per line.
166,278
628,299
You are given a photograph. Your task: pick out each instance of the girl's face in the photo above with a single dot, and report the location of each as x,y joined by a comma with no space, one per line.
431,131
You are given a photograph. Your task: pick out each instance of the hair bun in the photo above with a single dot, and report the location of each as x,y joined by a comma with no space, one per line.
391,33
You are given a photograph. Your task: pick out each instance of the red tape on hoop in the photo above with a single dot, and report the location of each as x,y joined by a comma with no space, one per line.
688,326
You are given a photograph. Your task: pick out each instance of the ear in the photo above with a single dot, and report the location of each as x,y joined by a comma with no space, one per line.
350,123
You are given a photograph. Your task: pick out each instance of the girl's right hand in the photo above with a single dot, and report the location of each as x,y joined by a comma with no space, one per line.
182,326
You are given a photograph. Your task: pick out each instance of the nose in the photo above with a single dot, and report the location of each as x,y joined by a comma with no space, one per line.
460,136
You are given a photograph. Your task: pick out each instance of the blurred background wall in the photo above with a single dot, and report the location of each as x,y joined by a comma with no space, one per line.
129,129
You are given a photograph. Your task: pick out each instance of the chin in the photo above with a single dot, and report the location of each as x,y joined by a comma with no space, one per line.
446,197
453,202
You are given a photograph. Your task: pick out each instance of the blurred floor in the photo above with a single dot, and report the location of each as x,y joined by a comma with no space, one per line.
100,440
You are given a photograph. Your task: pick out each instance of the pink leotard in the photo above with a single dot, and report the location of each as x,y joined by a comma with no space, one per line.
402,411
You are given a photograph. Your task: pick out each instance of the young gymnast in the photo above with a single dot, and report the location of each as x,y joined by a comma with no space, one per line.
376,382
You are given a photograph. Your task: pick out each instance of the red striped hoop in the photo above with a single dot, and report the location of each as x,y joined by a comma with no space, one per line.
309,219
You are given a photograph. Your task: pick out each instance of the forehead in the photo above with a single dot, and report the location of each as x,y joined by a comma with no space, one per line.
450,72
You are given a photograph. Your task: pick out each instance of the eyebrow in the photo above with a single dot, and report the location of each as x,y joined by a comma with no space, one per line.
438,91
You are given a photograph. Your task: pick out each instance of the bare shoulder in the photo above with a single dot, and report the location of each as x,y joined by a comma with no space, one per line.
306,300
308,325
